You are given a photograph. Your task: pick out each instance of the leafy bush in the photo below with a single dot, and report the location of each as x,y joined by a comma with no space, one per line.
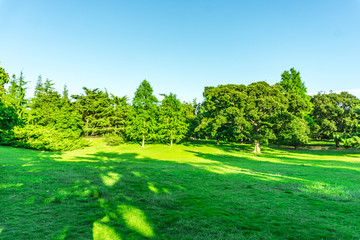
113,139
351,141
47,138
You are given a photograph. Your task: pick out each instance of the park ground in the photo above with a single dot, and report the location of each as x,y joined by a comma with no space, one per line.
194,190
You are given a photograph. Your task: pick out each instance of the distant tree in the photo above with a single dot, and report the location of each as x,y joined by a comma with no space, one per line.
219,109
8,115
121,111
192,119
261,107
172,120
4,78
292,127
291,82
100,111
334,114
293,131
142,123
15,96
49,108
238,111
8,120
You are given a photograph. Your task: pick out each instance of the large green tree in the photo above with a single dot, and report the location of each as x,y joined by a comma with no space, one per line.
260,110
293,125
102,113
49,108
334,114
142,119
220,107
172,122
239,111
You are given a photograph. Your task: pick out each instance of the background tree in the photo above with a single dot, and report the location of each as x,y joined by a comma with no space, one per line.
190,112
291,83
4,78
100,112
334,114
219,109
142,123
172,119
261,108
52,122
293,125
8,115
15,95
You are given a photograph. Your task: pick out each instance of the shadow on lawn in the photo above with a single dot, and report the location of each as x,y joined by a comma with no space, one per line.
110,195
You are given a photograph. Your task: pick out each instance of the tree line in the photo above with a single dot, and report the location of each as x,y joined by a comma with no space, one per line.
258,113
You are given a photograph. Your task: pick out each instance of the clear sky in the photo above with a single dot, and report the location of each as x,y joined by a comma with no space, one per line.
181,46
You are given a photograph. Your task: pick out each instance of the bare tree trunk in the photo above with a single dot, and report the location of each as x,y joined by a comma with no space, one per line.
171,143
257,147
143,141
217,142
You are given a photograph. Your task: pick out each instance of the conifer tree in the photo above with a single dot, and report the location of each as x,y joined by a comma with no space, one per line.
172,119
142,120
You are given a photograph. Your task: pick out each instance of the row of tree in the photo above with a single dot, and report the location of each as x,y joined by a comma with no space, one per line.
260,113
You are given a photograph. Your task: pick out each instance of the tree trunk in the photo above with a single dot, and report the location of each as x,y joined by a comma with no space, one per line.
217,142
337,144
171,138
257,147
143,141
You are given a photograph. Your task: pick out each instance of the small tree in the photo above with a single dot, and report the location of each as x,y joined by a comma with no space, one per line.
172,119
142,118
334,114
294,131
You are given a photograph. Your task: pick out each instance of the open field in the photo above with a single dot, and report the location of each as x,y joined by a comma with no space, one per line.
189,191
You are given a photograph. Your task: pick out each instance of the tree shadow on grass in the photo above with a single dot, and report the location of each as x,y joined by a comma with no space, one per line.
110,195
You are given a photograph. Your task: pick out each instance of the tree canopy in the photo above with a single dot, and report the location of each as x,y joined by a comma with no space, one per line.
259,113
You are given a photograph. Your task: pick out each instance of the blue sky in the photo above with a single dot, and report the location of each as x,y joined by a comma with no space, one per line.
181,46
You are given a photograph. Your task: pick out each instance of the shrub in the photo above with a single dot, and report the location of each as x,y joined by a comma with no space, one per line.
113,139
353,141
47,138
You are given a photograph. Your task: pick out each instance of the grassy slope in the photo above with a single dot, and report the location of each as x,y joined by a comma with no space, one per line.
184,192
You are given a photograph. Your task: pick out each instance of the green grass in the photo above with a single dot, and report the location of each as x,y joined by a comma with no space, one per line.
189,191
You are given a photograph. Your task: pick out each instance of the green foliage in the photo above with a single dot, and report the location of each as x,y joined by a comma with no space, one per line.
47,138
294,132
172,119
218,112
114,139
49,108
142,120
334,113
4,78
351,141
15,96
101,113
192,119
8,118
291,82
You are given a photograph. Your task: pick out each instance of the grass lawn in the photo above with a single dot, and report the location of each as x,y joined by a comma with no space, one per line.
189,191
